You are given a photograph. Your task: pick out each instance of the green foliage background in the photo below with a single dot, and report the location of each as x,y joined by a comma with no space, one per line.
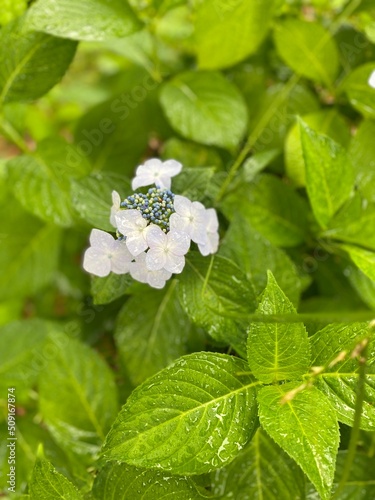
229,392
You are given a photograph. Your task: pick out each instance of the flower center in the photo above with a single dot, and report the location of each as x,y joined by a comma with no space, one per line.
156,206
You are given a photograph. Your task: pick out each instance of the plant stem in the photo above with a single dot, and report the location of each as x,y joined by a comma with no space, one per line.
12,134
354,435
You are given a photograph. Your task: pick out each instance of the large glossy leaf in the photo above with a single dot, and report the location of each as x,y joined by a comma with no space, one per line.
29,252
109,288
41,182
80,413
306,428
330,123
47,483
261,471
121,481
277,351
215,292
227,32
114,134
151,332
272,208
340,381
354,223
92,197
85,20
363,259
255,255
190,418
205,107
361,95
31,63
329,173
316,57
362,154
20,343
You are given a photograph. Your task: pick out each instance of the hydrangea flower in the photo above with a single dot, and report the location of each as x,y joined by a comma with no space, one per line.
139,271
371,80
156,172
155,229
106,254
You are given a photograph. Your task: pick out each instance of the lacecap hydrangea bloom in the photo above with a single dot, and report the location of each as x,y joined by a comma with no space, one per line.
154,229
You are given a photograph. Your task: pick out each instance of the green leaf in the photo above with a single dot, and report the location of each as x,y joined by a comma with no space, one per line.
151,332
272,208
41,182
360,484
87,20
80,413
306,428
30,63
29,252
363,259
276,110
354,223
340,381
110,288
255,255
205,107
277,351
175,423
214,292
114,134
364,286
329,123
122,481
308,49
190,154
358,90
261,471
92,197
20,343
329,173
193,182
228,32
362,154
47,483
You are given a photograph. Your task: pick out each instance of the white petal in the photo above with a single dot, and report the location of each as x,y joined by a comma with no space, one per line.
100,239
174,263
155,237
129,220
155,259
182,205
154,164
96,262
178,242
163,181
371,80
171,168
136,242
116,199
138,271
157,279
213,222
198,233
142,180
121,258
211,245
178,223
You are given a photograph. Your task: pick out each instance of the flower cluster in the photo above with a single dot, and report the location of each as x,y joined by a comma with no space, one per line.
154,229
